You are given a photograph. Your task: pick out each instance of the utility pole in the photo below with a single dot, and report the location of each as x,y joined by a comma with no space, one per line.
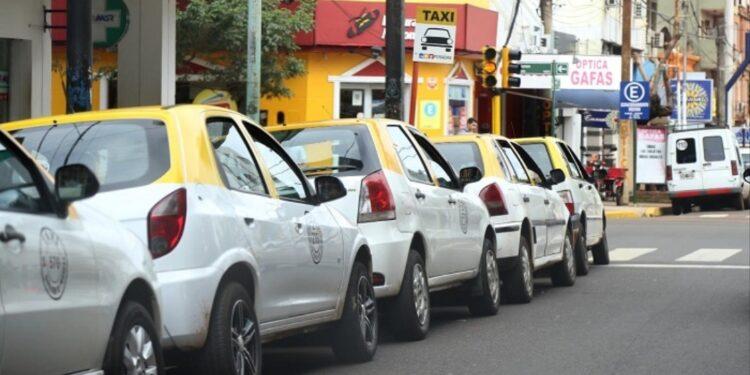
78,72
627,128
683,99
721,74
394,59
254,50
546,9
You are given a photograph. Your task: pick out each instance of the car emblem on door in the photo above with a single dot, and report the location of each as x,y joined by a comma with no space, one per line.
315,237
53,262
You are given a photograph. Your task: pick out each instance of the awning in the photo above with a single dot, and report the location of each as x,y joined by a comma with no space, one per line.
588,99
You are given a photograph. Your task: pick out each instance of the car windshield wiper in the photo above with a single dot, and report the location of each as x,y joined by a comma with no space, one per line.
340,168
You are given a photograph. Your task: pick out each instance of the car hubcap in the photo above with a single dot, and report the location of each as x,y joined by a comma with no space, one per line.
138,353
569,258
244,339
526,271
366,306
492,277
421,299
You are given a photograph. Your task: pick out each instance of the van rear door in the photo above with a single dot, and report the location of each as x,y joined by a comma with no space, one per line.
716,161
687,171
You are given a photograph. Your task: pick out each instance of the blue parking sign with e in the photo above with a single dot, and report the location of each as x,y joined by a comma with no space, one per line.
634,100
430,109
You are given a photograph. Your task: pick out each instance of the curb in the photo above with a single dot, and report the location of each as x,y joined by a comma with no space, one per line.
636,213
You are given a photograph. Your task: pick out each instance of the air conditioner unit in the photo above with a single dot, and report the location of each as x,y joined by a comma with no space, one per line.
638,11
657,40
543,41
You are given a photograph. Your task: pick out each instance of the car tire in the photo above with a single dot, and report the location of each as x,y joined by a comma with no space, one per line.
518,283
582,254
134,332
676,207
355,338
232,318
488,302
564,273
600,251
410,312
739,203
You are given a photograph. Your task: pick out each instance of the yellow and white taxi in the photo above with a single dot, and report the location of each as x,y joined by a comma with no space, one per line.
245,249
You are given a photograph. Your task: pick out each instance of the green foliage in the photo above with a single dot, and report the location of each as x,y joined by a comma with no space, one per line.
216,31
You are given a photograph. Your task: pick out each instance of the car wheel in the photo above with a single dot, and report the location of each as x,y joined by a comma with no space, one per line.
600,251
488,302
356,334
676,207
564,273
410,314
582,254
133,346
233,345
739,203
518,285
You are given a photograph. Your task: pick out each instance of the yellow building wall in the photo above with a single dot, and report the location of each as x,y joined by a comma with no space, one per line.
101,60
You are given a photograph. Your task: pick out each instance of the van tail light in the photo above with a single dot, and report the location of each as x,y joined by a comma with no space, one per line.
735,170
375,199
166,222
493,198
567,197
669,173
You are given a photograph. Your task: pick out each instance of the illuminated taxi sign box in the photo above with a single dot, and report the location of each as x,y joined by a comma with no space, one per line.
435,35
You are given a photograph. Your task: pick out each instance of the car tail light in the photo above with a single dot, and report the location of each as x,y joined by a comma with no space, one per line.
493,198
567,197
735,171
375,199
166,222
669,173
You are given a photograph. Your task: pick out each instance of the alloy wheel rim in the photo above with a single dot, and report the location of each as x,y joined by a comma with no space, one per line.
366,306
244,339
421,301
570,262
526,271
139,357
492,276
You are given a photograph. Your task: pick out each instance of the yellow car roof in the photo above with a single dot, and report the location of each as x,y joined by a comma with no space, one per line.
327,123
536,140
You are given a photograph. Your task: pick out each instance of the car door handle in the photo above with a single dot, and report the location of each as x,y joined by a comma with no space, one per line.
10,234
526,199
420,195
451,201
546,201
249,221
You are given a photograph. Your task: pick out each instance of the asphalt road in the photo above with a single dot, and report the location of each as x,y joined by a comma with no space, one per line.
676,300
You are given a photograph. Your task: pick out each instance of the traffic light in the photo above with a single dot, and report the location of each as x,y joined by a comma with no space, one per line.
509,57
489,67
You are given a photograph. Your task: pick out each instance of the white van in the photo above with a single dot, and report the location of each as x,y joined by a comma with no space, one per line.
704,166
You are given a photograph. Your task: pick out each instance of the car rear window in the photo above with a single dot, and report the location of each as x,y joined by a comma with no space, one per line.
461,155
713,148
685,150
538,152
121,153
334,150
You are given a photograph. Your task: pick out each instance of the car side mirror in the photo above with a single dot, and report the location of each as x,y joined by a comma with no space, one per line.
556,176
329,188
746,175
75,182
469,174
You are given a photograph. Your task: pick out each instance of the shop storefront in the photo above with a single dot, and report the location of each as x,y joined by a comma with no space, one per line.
345,63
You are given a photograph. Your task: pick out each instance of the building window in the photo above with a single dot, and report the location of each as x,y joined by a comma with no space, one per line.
458,107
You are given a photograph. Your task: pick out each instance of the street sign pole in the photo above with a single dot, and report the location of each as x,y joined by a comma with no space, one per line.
394,59
79,47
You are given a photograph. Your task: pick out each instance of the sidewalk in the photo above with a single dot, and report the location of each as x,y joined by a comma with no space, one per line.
636,211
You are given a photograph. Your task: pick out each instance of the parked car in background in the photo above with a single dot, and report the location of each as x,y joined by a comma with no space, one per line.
245,249
424,232
580,194
704,166
78,290
530,220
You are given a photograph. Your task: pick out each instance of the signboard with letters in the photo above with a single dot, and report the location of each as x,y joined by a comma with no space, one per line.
700,94
634,100
651,151
577,72
435,35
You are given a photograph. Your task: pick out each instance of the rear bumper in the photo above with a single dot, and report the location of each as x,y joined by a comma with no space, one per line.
389,248
704,192
508,237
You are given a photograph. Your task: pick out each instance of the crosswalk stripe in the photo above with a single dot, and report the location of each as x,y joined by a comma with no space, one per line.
630,253
708,255
714,216
680,266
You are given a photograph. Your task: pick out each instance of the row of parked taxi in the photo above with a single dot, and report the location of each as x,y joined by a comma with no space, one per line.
192,229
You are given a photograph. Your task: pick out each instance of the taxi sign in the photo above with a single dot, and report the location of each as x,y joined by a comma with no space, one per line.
435,35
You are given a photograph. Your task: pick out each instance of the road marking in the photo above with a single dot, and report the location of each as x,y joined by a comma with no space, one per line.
629,253
680,266
708,255
714,216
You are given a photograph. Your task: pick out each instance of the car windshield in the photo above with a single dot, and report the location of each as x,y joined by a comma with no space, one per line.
538,152
437,33
334,150
461,155
121,153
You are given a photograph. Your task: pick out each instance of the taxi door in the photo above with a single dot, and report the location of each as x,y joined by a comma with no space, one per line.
48,276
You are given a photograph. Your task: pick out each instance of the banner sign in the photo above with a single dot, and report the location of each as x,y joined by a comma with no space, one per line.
651,153
578,72
435,35
700,93
634,100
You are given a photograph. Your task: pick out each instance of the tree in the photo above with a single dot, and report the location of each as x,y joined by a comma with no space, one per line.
215,32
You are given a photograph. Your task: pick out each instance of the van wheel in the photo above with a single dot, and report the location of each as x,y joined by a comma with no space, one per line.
356,335
488,302
134,344
600,251
518,283
739,203
676,207
410,312
233,344
582,254
564,273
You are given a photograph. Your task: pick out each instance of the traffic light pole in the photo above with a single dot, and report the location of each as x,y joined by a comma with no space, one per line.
394,59
414,85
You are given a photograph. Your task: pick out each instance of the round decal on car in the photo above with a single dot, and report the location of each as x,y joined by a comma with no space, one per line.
463,217
53,262
315,237
682,145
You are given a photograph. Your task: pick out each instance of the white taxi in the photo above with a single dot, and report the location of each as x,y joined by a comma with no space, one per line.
78,290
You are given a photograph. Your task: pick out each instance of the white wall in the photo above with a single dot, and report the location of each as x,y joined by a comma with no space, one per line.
31,57
593,21
528,25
